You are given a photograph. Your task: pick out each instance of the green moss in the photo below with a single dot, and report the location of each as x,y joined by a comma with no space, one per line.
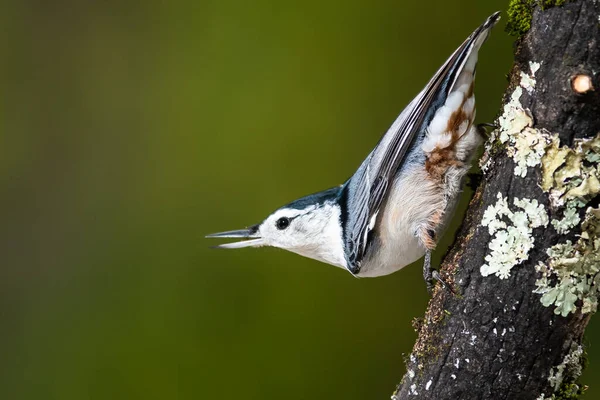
520,13
545,4
568,391
429,344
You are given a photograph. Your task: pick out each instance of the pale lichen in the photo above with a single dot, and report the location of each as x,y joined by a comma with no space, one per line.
563,378
528,149
428,384
569,278
528,80
525,145
572,175
570,220
512,233
513,119
569,368
571,271
413,390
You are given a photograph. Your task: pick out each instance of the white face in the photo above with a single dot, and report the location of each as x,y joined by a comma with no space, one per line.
313,232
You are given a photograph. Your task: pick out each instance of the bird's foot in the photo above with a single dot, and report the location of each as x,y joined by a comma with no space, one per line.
482,129
431,275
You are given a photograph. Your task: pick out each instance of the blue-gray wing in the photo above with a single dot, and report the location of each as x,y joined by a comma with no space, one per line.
365,192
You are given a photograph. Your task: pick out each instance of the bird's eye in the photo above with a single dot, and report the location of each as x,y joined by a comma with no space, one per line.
282,223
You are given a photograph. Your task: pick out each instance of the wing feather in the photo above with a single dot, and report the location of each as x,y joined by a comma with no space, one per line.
365,192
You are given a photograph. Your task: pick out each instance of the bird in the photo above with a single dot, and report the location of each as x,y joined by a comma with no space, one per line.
392,210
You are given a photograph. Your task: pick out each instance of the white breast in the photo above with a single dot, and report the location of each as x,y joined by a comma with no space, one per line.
413,199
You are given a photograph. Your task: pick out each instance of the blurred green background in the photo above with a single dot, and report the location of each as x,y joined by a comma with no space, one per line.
132,129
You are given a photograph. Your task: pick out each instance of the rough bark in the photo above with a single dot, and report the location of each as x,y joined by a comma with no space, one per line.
495,339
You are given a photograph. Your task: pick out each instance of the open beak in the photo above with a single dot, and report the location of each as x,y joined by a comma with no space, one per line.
249,233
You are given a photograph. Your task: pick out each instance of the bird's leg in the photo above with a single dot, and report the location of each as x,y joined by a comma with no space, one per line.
429,274
428,271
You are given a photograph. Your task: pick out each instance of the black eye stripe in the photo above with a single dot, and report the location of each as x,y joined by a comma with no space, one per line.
283,222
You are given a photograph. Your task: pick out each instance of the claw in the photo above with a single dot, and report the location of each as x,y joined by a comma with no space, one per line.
482,129
430,274
436,275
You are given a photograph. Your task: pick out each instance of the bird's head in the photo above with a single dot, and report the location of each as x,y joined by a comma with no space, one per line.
310,226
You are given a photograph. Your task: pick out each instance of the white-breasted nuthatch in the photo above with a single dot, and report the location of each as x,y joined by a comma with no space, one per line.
390,212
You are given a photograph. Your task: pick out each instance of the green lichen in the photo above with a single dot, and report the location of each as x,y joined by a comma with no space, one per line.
570,275
572,175
520,13
553,160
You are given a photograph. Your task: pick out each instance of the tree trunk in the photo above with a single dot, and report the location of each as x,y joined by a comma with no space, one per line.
524,296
